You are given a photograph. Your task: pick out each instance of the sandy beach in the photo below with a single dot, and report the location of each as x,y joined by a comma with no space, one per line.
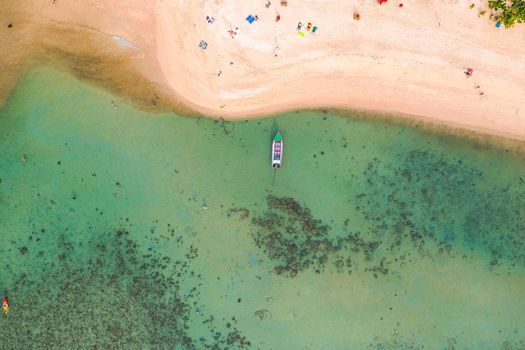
405,60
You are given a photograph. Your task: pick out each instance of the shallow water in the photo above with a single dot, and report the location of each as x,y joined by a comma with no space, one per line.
136,231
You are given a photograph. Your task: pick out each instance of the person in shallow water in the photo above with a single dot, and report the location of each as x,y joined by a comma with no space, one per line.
5,306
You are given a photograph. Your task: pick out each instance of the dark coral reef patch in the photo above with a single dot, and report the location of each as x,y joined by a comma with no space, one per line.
425,197
295,240
106,293
419,205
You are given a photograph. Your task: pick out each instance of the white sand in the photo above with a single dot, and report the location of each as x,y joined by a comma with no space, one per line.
407,60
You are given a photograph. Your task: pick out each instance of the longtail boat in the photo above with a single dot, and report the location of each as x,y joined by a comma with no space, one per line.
277,151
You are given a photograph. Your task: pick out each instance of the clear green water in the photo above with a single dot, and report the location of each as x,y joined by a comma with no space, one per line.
127,230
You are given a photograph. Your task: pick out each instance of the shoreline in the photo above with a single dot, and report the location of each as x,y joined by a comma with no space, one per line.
148,53
476,138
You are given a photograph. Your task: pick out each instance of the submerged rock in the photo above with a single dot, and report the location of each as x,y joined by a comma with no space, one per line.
105,293
263,314
295,241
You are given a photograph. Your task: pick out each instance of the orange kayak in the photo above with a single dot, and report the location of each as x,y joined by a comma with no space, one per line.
5,306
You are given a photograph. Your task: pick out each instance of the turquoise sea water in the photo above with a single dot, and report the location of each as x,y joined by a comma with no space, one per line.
127,230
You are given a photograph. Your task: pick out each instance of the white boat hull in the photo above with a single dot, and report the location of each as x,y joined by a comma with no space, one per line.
277,154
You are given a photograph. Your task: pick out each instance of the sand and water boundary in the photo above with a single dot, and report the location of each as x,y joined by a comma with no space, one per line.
160,75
